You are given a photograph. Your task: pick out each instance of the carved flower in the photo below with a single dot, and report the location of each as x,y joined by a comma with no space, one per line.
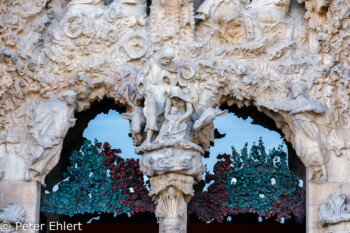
111,36
74,25
169,32
135,46
137,43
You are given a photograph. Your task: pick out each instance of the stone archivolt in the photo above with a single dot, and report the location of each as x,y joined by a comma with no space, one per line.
290,61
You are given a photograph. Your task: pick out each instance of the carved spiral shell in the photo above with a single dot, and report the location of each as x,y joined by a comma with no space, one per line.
186,73
193,51
73,26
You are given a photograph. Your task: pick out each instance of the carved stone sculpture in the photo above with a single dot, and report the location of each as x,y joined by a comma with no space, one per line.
171,193
172,23
289,60
267,15
153,81
12,213
335,211
50,123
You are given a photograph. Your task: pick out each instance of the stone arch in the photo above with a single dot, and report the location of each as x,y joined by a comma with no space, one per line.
262,119
56,59
74,139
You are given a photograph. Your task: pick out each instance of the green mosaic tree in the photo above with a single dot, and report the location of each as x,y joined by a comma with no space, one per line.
250,182
86,187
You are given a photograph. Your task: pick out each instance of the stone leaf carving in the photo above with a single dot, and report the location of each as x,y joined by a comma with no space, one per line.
12,213
171,193
336,210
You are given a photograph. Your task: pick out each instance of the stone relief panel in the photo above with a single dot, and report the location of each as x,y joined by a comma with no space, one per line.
172,68
288,60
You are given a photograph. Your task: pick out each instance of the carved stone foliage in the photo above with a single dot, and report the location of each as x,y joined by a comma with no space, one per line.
336,210
171,193
87,32
11,214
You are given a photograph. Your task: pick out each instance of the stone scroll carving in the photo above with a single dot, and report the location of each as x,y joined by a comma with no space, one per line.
336,210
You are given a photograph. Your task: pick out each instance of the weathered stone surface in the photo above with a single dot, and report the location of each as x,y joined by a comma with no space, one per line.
172,70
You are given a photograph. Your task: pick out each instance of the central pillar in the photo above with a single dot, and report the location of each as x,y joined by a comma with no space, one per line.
173,145
171,193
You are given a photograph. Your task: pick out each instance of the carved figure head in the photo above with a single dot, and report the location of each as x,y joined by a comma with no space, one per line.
173,110
166,56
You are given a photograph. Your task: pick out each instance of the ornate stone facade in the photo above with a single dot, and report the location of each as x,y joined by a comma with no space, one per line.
172,69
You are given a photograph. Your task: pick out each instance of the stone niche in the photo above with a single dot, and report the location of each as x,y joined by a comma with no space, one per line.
172,69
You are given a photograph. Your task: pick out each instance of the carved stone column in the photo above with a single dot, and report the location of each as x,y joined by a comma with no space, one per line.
171,193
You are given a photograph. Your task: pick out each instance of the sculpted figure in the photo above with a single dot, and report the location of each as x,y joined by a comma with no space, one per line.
51,121
297,102
171,23
172,120
263,15
203,125
225,17
154,80
208,7
178,111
